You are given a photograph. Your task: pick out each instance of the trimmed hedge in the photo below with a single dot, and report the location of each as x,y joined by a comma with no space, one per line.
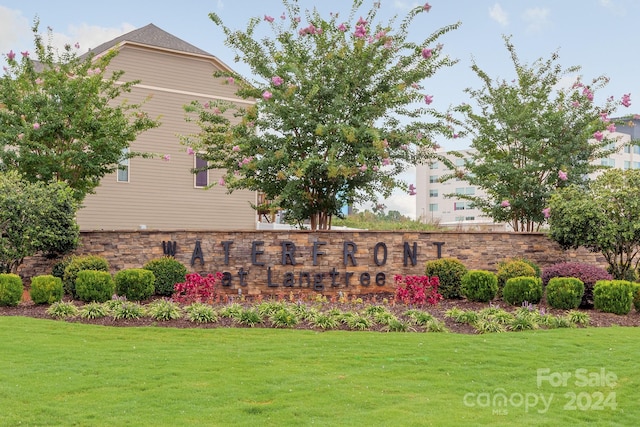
94,286
587,273
479,285
565,292
613,296
449,272
511,269
524,288
168,271
11,289
79,263
136,284
46,289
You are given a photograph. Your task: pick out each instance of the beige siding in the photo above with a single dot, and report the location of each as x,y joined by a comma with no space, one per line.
161,194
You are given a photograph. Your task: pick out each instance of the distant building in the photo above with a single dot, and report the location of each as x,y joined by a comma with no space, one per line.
158,194
433,207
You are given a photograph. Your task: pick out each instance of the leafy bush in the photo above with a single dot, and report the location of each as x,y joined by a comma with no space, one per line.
449,272
196,288
532,264
135,283
565,292
417,289
128,310
587,273
80,263
58,268
168,271
613,296
524,288
479,285
46,289
11,289
94,285
636,296
510,269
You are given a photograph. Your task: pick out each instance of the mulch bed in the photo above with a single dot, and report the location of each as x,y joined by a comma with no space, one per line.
27,308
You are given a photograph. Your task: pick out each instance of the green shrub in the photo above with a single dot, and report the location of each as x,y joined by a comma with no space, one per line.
636,296
532,264
510,269
613,296
167,271
565,292
11,289
58,268
524,288
79,263
449,272
135,283
46,289
94,285
479,285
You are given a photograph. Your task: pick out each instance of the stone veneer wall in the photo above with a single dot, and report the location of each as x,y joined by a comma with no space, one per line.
477,250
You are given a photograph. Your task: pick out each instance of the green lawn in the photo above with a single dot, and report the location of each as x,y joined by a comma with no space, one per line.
58,373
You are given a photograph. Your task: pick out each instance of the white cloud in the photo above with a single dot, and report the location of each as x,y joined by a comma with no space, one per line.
403,5
220,5
537,19
89,36
498,14
15,30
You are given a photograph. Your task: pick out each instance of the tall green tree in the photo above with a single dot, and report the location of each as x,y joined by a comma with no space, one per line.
341,109
34,218
64,118
530,136
605,217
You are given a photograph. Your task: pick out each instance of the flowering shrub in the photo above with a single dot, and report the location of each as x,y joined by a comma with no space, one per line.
196,288
417,289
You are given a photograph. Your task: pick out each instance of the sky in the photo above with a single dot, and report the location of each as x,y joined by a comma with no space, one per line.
597,35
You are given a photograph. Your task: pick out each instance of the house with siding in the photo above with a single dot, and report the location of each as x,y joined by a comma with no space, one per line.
156,193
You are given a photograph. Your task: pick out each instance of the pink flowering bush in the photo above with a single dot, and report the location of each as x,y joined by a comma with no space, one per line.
417,289
196,288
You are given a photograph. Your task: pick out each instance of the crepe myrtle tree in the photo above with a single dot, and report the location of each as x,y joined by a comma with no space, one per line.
64,118
605,218
34,218
531,135
339,114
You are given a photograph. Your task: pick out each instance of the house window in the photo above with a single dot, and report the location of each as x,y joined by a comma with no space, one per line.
461,206
608,162
627,165
466,190
433,193
433,165
433,207
636,149
636,165
202,176
627,149
433,179
459,162
123,166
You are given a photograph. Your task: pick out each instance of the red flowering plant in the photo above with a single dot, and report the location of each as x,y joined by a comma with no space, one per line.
417,289
196,288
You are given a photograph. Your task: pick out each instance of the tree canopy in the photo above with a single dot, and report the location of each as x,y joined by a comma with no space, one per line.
532,135
34,218
341,109
63,117
605,217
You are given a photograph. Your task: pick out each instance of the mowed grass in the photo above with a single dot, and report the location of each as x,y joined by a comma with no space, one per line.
59,373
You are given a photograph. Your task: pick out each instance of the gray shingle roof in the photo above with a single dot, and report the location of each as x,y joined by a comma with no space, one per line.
152,36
